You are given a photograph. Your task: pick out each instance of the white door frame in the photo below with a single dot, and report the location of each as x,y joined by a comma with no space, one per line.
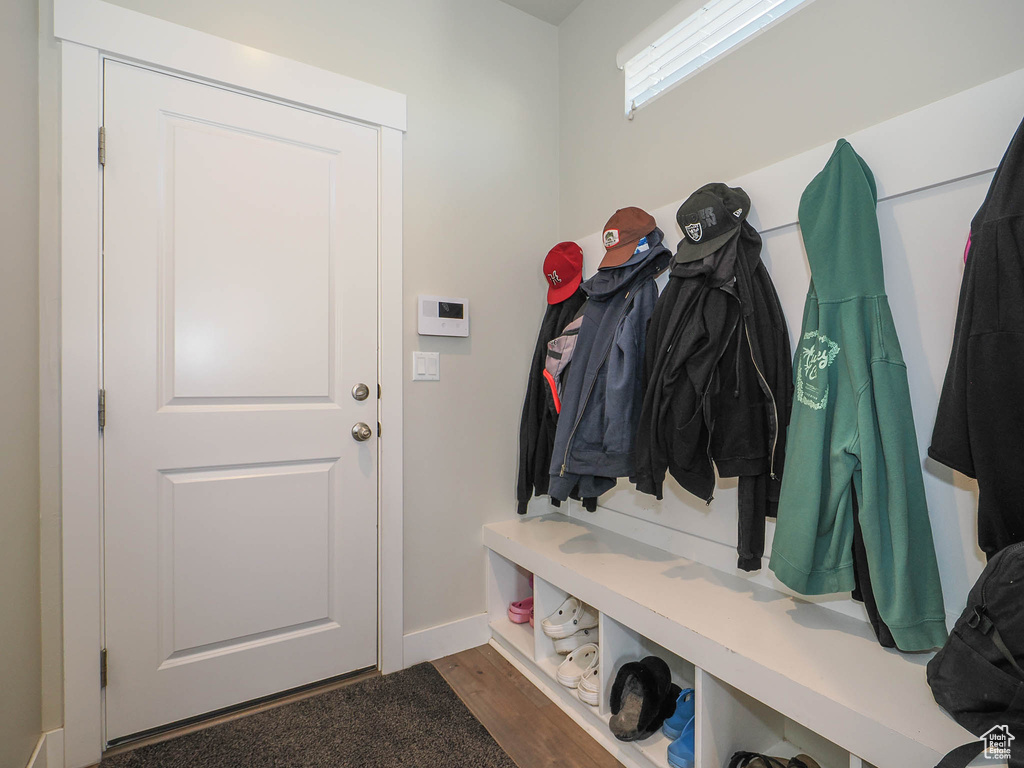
90,31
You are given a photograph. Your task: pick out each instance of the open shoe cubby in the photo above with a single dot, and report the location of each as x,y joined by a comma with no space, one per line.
538,660
507,583
733,721
772,674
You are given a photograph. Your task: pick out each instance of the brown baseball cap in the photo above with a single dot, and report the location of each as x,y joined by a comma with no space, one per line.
622,233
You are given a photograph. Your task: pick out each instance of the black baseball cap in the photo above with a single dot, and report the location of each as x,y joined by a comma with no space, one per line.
708,219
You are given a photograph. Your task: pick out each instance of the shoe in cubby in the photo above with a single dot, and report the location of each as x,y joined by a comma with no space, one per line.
589,689
642,698
577,664
570,617
682,752
508,592
684,712
566,645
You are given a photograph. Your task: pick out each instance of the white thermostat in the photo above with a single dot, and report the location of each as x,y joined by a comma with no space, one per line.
442,316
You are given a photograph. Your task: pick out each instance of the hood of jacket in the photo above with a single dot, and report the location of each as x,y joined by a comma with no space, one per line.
611,280
837,212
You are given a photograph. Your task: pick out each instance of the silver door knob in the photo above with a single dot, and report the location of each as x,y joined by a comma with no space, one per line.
360,392
361,432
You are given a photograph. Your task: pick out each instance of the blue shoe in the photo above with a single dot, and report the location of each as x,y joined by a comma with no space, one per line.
680,751
675,724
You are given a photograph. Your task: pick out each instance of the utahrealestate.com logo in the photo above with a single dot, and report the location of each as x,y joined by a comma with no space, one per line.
997,743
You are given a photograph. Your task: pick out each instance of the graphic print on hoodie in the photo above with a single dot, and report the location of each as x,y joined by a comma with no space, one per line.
852,429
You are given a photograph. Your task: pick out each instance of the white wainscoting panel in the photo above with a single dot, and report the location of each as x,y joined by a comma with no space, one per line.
932,166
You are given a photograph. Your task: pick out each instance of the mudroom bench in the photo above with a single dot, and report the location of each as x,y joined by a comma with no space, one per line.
772,674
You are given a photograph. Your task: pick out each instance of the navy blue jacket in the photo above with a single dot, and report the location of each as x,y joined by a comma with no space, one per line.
601,397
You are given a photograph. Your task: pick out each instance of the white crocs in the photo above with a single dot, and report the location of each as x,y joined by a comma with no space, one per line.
576,665
564,645
571,616
589,689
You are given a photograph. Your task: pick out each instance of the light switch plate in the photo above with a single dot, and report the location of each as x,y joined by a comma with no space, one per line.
426,366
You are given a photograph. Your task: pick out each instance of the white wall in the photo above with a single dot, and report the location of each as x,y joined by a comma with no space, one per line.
933,167
829,70
832,68
50,543
481,195
19,398
516,139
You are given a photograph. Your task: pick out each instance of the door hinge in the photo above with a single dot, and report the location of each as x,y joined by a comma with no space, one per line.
101,409
103,145
103,667
378,391
378,429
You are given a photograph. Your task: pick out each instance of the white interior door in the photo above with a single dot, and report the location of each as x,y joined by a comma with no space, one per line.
240,309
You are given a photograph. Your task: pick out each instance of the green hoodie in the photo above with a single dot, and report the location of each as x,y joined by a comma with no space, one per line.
852,428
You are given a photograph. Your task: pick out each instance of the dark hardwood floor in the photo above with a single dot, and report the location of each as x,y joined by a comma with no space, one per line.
526,724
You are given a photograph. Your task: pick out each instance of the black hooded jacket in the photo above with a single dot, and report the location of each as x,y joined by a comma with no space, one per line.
537,425
718,385
979,429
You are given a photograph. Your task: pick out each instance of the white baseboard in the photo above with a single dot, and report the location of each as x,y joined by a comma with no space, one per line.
445,639
49,752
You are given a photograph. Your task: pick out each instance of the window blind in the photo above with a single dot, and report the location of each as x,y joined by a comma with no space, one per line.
688,46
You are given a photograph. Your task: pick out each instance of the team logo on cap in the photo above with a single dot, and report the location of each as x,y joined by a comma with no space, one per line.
611,237
695,232
554,278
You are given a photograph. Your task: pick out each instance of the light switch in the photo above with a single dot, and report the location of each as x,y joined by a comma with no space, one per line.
426,366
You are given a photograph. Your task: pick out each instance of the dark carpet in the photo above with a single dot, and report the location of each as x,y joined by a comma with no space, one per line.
411,719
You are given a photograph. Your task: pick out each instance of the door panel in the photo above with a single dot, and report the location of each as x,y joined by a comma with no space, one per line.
224,528
240,285
273,242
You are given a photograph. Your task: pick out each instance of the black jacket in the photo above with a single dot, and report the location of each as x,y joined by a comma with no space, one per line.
537,425
979,429
718,385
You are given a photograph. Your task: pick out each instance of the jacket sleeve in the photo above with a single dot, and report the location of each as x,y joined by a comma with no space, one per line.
951,437
894,513
531,420
527,448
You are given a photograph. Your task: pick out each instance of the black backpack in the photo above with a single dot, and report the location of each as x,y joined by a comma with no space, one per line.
978,676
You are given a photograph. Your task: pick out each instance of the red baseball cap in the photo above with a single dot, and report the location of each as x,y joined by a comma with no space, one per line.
563,269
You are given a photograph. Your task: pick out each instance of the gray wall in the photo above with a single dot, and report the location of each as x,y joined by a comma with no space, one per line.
481,197
19,393
832,68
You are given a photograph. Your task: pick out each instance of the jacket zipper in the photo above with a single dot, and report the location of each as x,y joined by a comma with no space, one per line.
707,449
711,496
579,413
775,410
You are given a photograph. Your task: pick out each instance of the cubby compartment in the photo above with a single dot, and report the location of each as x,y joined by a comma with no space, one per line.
619,645
764,682
547,599
731,721
508,582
